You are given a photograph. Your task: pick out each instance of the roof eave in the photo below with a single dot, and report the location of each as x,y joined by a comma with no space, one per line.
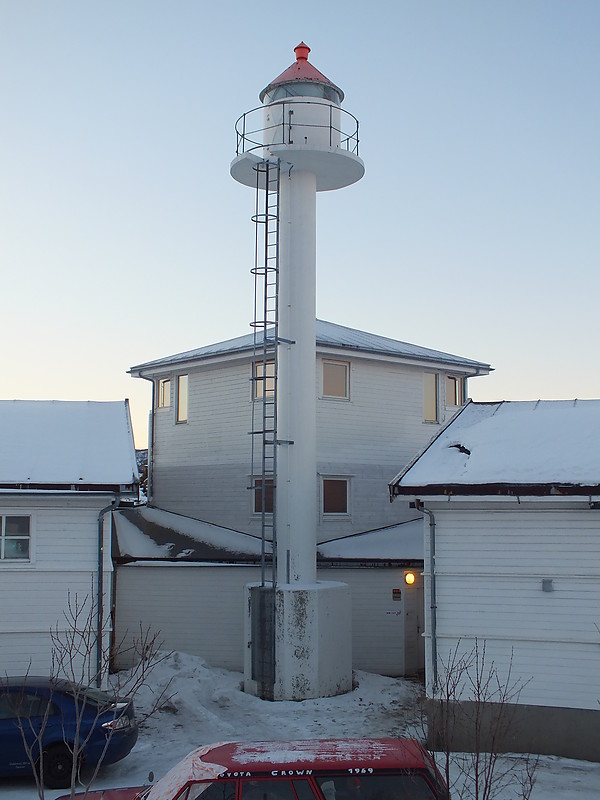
552,489
154,368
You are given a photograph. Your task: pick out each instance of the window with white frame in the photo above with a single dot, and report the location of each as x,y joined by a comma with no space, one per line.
163,393
182,398
263,379
15,534
335,496
257,485
455,391
430,397
336,379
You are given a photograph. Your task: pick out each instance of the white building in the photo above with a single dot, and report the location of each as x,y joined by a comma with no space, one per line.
379,401
199,571
511,493
63,466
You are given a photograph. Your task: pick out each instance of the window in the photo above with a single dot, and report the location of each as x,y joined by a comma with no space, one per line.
266,789
258,495
182,398
18,703
14,538
455,391
263,379
164,393
430,397
402,783
219,790
335,379
335,495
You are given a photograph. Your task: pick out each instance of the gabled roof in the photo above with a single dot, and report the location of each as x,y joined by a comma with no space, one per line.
329,335
543,447
66,444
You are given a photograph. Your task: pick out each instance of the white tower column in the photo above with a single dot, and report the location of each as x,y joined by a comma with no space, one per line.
301,124
296,417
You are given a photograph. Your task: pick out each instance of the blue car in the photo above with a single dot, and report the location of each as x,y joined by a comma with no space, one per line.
46,713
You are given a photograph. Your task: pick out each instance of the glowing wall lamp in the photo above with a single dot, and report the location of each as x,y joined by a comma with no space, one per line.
409,578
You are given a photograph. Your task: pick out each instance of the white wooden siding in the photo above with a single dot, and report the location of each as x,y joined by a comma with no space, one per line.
489,571
194,609
34,595
198,609
201,468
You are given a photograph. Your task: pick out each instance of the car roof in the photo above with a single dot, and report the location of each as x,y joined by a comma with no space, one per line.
318,754
40,682
256,758
36,682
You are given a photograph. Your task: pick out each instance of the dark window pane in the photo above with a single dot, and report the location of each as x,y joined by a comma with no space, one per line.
335,379
7,707
16,548
376,787
267,790
17,526
303,790
335,496
217,790
258,496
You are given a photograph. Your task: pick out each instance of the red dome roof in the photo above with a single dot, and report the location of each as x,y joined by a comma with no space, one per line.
301,70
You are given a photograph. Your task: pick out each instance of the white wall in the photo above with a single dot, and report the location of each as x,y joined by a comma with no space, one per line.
491,559
64,558
199,610
202,467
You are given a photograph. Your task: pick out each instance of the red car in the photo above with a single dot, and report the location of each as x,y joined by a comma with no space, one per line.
328,769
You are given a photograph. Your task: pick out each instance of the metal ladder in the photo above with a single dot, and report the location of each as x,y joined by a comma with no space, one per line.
264,358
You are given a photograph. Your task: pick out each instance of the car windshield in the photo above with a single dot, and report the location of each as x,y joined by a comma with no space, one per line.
219,790
400,786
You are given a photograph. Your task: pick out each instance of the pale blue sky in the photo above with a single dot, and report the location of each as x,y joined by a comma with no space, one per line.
475,229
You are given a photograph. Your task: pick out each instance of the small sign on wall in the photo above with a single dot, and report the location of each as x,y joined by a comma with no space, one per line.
396,594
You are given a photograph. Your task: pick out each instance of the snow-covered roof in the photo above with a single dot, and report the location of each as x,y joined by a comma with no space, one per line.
402,542
151,534
146,533
329,335
56,443
522,447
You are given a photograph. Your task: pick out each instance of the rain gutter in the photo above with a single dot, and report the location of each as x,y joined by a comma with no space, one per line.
100,584
432,593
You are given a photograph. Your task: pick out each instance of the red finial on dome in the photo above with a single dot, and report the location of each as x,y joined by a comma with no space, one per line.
302,50
301,70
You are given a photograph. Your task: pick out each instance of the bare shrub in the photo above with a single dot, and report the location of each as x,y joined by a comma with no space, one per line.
471,721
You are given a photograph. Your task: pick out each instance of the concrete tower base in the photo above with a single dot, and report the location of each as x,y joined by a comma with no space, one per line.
312,641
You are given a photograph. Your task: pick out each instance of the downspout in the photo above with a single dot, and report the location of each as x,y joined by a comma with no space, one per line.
100,606
432,593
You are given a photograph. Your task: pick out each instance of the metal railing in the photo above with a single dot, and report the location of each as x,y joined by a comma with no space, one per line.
252,134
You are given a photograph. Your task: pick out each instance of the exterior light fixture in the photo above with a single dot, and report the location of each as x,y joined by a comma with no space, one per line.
409,578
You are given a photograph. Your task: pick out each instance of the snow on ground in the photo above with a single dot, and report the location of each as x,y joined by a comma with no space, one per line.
208,706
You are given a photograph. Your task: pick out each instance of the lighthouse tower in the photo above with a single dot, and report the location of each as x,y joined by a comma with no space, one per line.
297,143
